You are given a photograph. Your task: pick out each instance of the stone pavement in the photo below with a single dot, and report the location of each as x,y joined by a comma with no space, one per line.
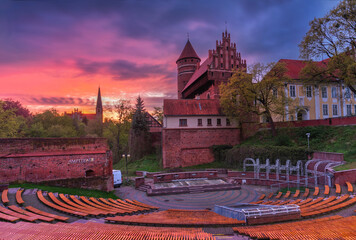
192,201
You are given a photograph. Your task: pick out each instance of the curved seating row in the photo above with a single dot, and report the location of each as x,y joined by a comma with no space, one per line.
175,217
91,230
335,227
85,207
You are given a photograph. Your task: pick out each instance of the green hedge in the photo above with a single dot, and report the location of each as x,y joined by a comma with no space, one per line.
220,151
235,157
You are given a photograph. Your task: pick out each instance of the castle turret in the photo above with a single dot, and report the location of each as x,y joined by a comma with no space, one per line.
99,107
187,63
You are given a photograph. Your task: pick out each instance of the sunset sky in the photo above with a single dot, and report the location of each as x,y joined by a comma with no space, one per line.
55,53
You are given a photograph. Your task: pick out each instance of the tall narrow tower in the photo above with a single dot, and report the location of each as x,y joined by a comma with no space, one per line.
99,107
187,63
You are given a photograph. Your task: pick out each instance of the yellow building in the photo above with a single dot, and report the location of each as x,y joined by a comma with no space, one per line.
318,101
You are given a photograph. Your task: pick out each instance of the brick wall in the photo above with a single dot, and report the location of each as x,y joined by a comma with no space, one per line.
57,160
341,177
189,147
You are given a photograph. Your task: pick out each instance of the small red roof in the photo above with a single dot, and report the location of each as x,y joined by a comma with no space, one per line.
295,66
189,107
188,52
200,71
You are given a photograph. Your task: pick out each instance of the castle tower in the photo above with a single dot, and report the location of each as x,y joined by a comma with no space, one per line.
187,63
99,107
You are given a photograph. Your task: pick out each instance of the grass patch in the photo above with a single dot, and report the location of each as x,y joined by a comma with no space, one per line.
71,191
347,166
339,139
148,163
215,164
291,189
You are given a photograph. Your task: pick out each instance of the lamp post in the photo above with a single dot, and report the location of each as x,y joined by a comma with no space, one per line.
126,156
308,135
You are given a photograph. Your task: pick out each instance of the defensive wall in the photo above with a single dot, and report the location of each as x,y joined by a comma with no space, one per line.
69,162
188,147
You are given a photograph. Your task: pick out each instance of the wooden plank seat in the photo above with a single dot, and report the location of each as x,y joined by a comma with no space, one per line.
296,201
140,204
59,208
335,205
132,205
317,205
77,201
270,196
350,188
46,214
64,205
262,197
296,194
4,197
338,188
96,201
305,201
91,210
111,211
125,210
17,215
124,205
19,199
8,218
257,202
287,195
316,191
306,193
278,195
30,214
327,190
315,201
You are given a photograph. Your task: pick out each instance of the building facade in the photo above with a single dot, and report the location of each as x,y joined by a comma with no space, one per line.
202,81
315,101
190,128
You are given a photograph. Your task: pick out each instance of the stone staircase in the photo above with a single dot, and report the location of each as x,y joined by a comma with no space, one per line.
143,188
196,189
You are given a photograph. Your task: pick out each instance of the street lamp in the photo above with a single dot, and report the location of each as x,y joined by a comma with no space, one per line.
308,135
126,156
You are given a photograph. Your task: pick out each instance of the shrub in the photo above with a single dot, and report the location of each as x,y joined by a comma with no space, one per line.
219,152
236,156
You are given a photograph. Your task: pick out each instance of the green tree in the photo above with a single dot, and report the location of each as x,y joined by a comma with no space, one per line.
257,93
51,124
335,37
139,133
11,125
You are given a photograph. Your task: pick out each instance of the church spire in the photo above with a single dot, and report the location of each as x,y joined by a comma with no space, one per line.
99,107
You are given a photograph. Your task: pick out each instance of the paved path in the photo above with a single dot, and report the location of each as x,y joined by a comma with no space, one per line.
193,200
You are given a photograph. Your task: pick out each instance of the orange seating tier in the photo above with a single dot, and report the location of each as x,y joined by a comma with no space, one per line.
91,230
177,218
335,227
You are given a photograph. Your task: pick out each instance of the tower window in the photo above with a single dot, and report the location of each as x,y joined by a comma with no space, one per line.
222,74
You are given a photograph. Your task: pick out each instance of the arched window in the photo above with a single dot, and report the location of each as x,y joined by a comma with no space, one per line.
89,173
208,96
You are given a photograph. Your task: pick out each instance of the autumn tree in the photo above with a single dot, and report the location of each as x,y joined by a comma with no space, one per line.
139,133
333,36
259,92
158,114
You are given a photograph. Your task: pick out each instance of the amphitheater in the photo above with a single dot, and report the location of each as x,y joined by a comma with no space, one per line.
233,211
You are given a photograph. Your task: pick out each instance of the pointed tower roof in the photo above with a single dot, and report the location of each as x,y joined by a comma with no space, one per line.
98,101
188,52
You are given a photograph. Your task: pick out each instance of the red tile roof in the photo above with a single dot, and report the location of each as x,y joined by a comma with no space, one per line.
295,66
200,71
188,52
188,107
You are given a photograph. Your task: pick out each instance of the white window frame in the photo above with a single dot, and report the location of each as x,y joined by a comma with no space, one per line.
309,91
348,110
324,92
333,92
325,110
292,89
334,110
347,93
